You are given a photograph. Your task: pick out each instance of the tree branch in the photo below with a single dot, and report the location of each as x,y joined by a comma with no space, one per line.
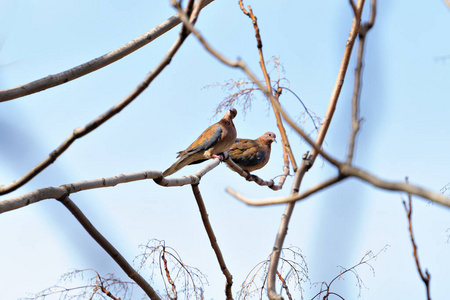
109,248
425,277
358,78
67,189
213,240
95,64
271,201
82,131
348,171
251,177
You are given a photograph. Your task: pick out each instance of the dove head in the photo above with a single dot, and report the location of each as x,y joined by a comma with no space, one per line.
268,138
230,114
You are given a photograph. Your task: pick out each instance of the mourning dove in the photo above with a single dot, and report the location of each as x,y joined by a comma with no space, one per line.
250,154
215,140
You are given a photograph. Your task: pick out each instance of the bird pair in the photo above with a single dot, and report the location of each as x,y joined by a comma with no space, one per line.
249,154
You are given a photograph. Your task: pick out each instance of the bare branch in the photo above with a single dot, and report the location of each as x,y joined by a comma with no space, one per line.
346,171
82,131
358,77
395,186
251,177
213,240
425,277
109,248
95,64
67,189
169,279
271,201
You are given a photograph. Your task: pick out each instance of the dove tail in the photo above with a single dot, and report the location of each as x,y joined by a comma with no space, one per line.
178,165
173,168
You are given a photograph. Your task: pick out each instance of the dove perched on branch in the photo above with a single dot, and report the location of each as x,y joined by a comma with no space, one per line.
215,140
250,154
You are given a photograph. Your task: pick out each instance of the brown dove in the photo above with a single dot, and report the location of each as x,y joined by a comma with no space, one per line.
215,140
250,154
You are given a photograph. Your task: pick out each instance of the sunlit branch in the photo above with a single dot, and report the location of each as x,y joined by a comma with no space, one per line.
213,241
297,197
358,78
82,131
109,248
425,277
67,189
347,171
93,65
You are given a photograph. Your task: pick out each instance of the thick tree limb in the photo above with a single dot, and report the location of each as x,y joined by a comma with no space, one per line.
93,65
67,189
213,240
109,248
82,131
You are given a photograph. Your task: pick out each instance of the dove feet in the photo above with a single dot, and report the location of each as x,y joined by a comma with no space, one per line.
220,156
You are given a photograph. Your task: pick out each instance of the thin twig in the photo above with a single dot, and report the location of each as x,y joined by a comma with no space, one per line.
82,131
425,277
169,279
285,286
109,248
213,241
93,65
303,104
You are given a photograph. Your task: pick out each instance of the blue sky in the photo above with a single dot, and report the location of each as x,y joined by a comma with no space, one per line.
404,133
